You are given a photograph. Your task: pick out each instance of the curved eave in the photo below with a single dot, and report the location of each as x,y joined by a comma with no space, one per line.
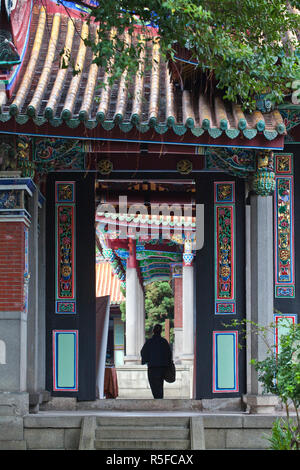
143,128
52,101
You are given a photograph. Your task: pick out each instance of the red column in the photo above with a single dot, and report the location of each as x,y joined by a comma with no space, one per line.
177,302
131,262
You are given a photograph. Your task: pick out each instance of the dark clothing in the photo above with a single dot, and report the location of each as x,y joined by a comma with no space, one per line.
156,381
157,353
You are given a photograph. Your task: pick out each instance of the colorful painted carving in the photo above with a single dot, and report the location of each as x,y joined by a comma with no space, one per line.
8,53
65,192
65,247
188,255
10,199
263,181
284,228
291,118
52,154
224,193
15,154
237,162
284,164
224,252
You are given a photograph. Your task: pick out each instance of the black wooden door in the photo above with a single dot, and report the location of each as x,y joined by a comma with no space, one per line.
70,285
220,288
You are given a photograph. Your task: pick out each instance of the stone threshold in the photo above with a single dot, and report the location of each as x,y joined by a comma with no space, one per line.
168,405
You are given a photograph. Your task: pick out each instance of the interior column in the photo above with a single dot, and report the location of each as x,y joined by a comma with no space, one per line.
33,310
177,286
261,274
132,353
187,306
140,326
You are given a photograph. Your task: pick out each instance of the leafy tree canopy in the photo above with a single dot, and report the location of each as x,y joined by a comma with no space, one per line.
239,45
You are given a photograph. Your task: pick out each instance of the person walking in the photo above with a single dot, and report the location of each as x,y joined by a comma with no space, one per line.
157,354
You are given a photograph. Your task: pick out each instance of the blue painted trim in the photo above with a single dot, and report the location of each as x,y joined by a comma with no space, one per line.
235,387
55,385
102,139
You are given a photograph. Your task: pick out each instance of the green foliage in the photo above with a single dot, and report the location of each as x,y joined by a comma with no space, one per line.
237,44
282,437
123,310
159,306
279,373
123,304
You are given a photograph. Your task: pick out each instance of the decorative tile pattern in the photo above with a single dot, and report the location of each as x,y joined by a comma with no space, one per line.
224,250
284,228
65,247
65,192
224,192
284,164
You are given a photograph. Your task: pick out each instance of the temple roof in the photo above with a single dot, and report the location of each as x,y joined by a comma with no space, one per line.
107,283
47,95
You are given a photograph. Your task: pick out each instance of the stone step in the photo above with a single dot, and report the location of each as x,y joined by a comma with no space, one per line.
13,445
141,421
148,432
130,444
119,404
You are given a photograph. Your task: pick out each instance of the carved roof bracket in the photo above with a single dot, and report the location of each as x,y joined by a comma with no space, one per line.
234,161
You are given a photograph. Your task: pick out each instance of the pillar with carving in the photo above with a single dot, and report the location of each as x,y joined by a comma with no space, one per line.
260,262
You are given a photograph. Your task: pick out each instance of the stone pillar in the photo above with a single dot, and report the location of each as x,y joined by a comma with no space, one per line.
32,321
177,287
187,306
42,295
14,278
132,354
36,304
261,276
142,317
140,326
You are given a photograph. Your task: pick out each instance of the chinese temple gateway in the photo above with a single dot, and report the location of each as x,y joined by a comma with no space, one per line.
162,183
